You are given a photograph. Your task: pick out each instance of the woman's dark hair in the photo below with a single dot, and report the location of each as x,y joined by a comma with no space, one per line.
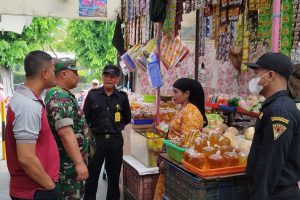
196,96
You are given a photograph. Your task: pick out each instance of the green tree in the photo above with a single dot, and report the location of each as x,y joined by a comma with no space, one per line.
63,41
39,35
91,42
13,47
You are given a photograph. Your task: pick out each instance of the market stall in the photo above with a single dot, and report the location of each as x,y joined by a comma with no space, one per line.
228,34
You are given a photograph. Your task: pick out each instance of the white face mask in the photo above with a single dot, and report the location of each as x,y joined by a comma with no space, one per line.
254,88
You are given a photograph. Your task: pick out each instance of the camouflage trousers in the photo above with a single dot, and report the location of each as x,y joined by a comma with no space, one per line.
69,188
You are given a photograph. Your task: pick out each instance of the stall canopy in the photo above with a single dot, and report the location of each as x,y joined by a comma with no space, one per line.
58,8
14,23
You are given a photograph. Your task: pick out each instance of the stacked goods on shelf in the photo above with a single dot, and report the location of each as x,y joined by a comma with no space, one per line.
215,139
167,111
215,148
143,109
246,105
251,103
142,113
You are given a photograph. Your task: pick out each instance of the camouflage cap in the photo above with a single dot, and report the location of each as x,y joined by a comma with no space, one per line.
65,63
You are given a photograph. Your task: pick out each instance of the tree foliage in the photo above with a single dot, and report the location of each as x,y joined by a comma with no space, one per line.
39,35
91,42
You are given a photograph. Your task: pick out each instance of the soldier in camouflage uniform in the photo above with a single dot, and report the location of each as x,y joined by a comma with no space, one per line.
69,127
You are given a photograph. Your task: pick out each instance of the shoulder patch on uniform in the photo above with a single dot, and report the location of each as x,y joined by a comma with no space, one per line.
261,115
279,119
278,130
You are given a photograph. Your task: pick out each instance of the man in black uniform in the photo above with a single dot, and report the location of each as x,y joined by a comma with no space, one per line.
107,112
274,161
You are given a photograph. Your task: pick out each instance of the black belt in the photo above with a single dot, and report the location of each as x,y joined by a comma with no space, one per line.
108,135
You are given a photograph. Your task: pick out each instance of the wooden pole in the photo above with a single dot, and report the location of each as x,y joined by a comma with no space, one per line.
158,40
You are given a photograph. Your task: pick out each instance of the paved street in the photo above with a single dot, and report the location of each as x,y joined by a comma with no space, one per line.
4,184
102,186
4,180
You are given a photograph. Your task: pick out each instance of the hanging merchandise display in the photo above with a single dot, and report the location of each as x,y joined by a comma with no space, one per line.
169,23
253,36
247,25
229,33
139,17
295,52
124,68
286,36
226,19
158,10
173,51
138,26
136,57
202,31
245,51
141,59
296,23
128,61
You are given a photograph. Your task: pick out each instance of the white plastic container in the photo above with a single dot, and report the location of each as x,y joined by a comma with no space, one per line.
146,146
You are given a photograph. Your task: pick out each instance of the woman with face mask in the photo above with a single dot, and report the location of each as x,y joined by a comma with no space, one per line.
273,165
189,94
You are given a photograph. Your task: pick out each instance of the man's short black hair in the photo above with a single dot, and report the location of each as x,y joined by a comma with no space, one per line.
35,61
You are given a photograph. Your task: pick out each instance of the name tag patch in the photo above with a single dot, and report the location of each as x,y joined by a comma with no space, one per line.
279,119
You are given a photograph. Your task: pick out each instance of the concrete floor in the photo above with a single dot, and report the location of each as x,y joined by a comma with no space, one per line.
102,186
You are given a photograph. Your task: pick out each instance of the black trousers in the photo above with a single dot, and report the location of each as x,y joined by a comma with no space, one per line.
110,150
291,193
43,195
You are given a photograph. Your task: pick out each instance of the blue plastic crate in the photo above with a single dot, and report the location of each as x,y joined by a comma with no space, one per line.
142,121
181,185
